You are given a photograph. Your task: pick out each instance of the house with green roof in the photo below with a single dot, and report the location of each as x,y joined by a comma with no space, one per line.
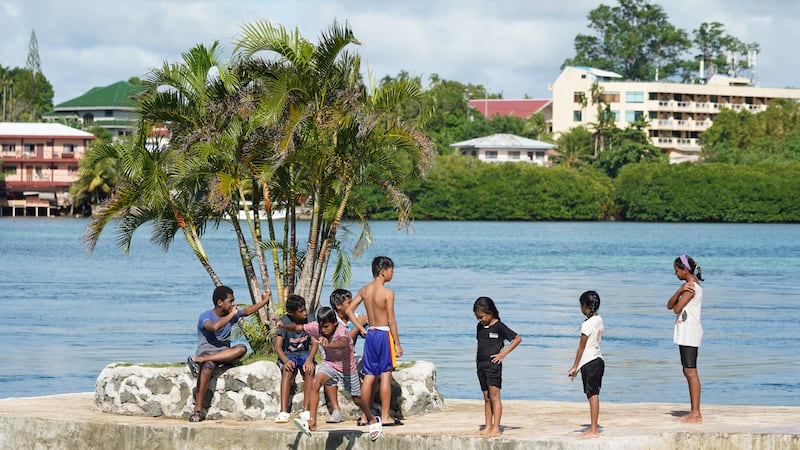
112,107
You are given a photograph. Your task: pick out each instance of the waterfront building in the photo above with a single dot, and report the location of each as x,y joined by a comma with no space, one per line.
40,162
676,113
111,107
507,148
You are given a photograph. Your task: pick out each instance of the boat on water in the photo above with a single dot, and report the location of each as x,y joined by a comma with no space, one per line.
262,215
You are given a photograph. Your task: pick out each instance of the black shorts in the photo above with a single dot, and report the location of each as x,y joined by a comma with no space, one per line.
592,376
490,374
688,356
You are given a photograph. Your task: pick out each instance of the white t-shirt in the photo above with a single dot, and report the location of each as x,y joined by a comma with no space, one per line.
688,330
593,329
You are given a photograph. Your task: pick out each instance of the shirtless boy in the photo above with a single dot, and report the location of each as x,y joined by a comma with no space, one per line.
381,343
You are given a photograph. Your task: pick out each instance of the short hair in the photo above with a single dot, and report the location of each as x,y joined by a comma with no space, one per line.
487,305
326,315
379,263
338,296
591,300
294,302
220,293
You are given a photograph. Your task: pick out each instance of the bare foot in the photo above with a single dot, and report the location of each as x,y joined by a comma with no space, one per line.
479,433
691,418
490,433
589,434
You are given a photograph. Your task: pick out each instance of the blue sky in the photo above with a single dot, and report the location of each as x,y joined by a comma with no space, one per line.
511,46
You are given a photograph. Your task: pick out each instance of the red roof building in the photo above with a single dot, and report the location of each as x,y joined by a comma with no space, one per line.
523,108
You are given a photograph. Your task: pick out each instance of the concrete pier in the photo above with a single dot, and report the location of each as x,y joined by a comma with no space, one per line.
72,422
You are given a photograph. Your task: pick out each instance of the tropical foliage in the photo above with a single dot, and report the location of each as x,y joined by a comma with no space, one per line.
709,192
284,123
636,39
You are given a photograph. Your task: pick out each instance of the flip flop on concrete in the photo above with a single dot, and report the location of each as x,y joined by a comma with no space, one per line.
375,429
302,425
394,423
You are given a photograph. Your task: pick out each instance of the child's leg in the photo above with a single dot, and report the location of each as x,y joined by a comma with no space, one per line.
309,389
286,385
313,396
693,379
202,387
496,412
367,388
222,356
386,397
487,410
332,394
594,414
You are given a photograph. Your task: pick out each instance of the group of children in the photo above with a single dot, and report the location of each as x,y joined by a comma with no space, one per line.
336,329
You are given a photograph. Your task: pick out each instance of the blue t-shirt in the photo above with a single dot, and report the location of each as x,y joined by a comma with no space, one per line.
212,341
294,343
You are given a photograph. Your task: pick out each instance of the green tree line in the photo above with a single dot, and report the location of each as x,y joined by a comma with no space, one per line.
464,188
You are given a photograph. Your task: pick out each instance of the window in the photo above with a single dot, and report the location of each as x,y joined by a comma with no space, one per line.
653,115
39,173
72,170
634,97
491,154
109,113
88,119
615,112
578,97
513,155
69,148
539,155
577,116
611,97
633,116
9,150
9,170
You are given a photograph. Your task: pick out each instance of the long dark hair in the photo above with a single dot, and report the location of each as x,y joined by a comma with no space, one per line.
591,300
486,304
690,266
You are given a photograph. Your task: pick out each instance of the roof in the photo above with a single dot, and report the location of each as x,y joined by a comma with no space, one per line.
500,107
117,95
47,130
600,73
504,141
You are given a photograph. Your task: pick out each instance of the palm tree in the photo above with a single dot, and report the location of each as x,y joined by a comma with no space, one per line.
335,134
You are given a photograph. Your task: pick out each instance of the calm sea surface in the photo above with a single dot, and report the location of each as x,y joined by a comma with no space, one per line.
68,313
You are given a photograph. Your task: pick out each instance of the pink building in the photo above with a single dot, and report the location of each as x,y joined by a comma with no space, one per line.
523,108
40,162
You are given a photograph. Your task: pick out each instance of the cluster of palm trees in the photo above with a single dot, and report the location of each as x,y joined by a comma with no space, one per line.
282,123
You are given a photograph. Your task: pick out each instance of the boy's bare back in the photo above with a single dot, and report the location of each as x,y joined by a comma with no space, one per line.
378,299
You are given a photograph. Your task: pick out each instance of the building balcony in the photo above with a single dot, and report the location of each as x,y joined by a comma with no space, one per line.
680,124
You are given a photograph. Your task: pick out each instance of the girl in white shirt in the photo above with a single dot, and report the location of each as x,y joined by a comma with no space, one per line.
589,359
688,334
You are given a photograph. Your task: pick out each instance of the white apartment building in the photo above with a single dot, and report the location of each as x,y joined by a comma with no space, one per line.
677,113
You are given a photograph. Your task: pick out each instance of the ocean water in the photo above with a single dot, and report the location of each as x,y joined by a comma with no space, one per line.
69,313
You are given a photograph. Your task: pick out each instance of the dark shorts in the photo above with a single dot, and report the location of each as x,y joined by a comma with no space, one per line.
688,356
299,360
592,376
490,374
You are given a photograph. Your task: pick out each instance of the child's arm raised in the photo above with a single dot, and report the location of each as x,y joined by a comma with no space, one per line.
265,296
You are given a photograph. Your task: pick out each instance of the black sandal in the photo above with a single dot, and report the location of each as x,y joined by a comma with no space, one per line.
194,367
197,416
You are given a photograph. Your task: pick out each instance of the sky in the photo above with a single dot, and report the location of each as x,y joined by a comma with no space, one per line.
512,47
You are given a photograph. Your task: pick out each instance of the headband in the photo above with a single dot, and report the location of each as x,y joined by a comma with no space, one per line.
685,261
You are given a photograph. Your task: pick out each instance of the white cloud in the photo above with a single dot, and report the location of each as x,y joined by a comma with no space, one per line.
512,46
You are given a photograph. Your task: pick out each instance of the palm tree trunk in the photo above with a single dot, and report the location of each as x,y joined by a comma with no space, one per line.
320,269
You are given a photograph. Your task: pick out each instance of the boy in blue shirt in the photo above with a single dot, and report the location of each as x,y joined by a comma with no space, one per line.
214,341
295,350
